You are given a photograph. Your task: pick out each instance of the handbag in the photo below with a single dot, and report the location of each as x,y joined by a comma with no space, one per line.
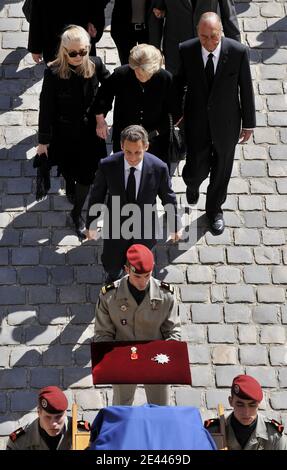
176,150
43,182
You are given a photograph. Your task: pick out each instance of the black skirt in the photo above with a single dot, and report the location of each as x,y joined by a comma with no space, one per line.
76,150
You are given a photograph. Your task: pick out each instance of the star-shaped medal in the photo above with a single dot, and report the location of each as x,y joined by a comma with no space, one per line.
161,358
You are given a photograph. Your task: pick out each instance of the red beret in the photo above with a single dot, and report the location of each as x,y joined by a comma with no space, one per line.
53,400
140,258
246,387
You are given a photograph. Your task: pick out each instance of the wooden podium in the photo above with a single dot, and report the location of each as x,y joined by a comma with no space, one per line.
80,439
219,436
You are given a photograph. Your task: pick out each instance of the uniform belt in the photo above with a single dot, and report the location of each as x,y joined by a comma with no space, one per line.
138,26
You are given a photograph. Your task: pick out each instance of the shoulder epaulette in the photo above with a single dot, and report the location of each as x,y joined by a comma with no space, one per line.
15,434
166,286
211,422
278,426
83,425
107,287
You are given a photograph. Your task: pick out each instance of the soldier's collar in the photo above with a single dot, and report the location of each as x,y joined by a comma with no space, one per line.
154,290
124,293
261,428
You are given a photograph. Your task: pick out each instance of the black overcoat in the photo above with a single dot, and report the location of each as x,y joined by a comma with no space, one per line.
147,104
50,17
67,123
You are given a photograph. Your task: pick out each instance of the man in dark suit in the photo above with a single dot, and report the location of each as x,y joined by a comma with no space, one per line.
181,19
133,23
219,109
131,180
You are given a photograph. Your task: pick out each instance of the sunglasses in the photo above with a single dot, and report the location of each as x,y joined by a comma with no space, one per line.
81,53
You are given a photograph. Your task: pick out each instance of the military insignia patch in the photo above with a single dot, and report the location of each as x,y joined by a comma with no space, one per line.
166,286
211,422
83,425
236,389
44,403
106,288
154,305
278,426
14,435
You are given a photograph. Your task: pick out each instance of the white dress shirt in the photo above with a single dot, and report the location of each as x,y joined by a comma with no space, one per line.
137,173
215,58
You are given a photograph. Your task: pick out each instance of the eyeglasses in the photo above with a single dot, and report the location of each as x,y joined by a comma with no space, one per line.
81,53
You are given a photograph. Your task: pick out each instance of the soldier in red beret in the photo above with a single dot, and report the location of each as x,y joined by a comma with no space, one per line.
52,430
246,428
137,307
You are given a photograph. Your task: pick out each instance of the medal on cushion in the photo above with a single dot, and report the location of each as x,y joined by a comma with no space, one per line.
134,354
161,358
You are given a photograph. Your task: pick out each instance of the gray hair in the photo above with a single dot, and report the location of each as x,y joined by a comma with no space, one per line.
134,133
146,57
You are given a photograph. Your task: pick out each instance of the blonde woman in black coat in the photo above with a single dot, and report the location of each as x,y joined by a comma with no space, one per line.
67,132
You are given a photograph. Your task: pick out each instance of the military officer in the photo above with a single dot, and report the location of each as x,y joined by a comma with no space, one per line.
52,430
246,428
138,307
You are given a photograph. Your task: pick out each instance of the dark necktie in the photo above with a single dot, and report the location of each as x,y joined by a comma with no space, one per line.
209,71
131,186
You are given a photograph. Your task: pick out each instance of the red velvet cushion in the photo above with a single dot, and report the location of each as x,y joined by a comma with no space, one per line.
112,363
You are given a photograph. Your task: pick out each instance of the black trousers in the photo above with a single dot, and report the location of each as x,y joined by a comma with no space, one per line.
218,164
79,191
127,39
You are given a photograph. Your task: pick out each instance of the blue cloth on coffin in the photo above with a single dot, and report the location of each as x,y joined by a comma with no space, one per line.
150,427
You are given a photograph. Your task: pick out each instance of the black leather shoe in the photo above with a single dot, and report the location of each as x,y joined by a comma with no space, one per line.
192,196
78,221
217,224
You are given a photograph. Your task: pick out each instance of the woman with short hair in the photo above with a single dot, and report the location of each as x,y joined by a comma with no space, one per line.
142,93
66,123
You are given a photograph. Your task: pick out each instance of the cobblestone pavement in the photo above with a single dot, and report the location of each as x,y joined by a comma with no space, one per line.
233,287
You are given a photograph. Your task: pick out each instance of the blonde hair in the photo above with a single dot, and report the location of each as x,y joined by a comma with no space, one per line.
61,65
146,57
